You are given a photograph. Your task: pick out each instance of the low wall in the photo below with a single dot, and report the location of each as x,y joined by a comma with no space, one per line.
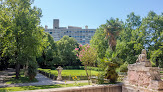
90,88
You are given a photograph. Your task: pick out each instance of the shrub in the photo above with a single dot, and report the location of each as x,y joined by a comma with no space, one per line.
32,70
123,68
81,68
111,73
100,78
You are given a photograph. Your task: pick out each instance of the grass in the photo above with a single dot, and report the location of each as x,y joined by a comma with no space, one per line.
22,79
40,87
161,71
70,72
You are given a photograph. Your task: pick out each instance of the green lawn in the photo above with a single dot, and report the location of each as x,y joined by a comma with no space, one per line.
161,71
70,72
22,79
40,87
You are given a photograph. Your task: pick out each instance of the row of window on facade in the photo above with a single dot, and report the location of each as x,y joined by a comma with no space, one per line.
80,36
83,42
77,32
80,31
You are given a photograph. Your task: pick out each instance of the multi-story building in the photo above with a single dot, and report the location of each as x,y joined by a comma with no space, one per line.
83,36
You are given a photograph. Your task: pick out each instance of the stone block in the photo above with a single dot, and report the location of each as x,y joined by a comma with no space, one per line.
156,84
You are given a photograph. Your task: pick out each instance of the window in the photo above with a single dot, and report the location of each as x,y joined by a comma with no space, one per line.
50,32
70,36
80,31
80,36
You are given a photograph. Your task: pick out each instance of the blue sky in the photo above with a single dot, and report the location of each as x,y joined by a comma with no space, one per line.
93,12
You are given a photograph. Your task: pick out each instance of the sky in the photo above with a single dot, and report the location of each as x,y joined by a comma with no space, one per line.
93,12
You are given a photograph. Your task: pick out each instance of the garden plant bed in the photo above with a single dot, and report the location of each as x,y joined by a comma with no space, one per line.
67,74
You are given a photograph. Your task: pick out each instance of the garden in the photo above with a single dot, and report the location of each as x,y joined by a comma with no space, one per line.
31,52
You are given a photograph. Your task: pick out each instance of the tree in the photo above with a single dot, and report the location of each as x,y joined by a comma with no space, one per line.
66,53
5,36
111,30
131,40
87,56
153,25
105,40
99,43
49,55
24,33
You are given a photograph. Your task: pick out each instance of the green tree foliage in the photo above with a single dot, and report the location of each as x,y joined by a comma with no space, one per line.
111,30
131,40
49,55
107,34
153,25
22,36
99,42
66,53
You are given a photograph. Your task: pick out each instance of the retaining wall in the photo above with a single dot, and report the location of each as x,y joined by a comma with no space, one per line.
93,88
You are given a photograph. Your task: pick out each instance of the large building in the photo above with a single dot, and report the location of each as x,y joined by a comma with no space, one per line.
83,36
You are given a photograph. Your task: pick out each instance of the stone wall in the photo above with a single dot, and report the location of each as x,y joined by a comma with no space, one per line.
142,77
90,88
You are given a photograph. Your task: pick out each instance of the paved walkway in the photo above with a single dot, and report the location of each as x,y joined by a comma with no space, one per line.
6,74
42,80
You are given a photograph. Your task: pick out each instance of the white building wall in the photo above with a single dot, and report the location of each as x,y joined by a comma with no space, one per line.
83,36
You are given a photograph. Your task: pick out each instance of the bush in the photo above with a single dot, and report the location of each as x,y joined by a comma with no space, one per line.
111,73
153,64
73,67
123,68
100,78
32,70
81,68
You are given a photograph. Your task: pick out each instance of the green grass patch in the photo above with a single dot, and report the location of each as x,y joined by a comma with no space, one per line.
22,79
70,72
161,71
40,87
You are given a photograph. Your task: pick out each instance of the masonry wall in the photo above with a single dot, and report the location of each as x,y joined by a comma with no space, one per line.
95,88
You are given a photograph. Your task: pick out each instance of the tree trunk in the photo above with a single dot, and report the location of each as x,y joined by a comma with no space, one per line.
157,62
17,67
87,75
26,69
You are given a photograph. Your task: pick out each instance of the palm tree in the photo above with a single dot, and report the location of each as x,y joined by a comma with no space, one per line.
111,30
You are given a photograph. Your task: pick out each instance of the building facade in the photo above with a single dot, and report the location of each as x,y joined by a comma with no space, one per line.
83,36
